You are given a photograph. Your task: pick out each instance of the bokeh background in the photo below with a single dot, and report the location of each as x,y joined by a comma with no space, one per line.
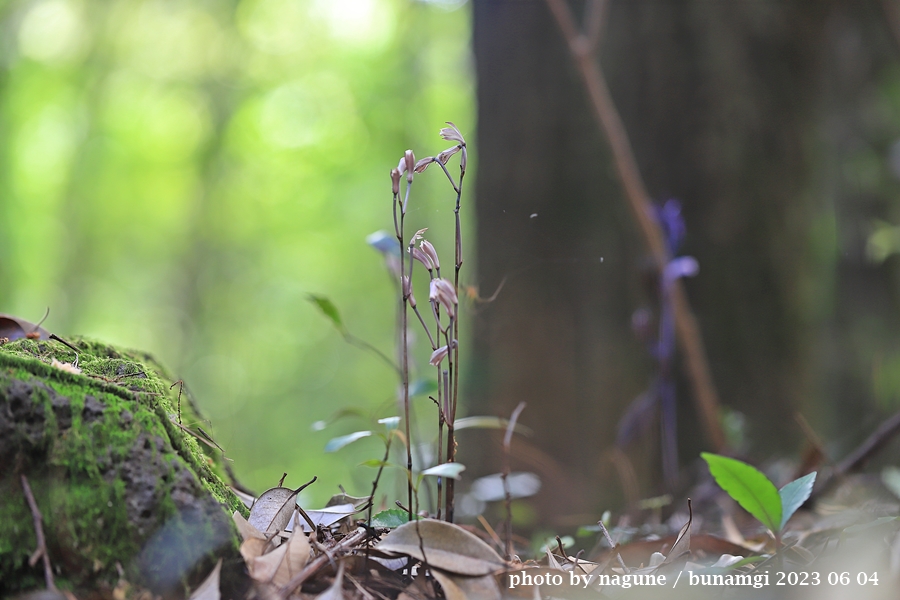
178,176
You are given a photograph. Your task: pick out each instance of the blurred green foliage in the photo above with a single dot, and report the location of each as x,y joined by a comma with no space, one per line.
177,176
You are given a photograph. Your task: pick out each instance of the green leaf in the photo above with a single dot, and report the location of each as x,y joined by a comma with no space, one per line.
794,494
390,518
749,488
328,309
335,444
452,470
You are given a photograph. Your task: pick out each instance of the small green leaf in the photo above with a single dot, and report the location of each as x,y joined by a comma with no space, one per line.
390,422
328,309
794,494
335,444
390,518
749,487
451,470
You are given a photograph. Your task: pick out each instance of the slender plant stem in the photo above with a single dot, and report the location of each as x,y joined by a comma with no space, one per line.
387,455
404,354
610,122
454,349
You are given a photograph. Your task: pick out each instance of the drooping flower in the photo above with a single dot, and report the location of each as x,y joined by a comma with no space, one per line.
452,134
443,292
439,355
423,258
429,251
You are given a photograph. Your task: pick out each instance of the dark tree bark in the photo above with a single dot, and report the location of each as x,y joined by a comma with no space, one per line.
721,103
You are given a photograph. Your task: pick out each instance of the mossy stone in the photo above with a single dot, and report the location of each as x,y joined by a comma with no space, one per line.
124,491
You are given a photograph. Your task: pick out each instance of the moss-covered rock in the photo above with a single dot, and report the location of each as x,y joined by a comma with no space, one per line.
125,491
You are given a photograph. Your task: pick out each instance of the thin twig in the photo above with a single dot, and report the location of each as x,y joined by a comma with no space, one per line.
39,533
612,545
387,454
55,337
870,445
319,562
610,122
504,475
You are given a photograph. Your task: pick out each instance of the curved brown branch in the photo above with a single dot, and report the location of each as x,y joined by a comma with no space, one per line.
39,533
688,331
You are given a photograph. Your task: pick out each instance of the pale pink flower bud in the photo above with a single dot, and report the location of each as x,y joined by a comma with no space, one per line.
439,355
395,181
463,158
408,293
430,252
410,164
443,292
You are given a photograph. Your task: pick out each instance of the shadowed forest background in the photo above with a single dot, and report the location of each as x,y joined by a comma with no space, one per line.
179,176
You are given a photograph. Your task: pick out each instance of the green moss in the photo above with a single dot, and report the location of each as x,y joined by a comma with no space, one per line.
109,465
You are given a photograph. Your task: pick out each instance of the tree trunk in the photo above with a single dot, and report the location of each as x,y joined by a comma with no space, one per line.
718,99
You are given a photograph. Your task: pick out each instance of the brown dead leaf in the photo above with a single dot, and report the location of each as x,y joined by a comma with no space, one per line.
279,565
683,541
209,589
297,555
253,548
14,328
246,530
459,587
272,510
336,590
263,568
447,547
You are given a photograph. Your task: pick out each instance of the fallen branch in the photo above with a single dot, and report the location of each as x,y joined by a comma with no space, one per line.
310,569
39,532
872,444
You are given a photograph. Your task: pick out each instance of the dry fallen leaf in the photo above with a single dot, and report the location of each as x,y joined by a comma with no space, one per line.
296,556
447,546
272,510
323,517
460,587
336,590
246,530
683,541
263,568
209,589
